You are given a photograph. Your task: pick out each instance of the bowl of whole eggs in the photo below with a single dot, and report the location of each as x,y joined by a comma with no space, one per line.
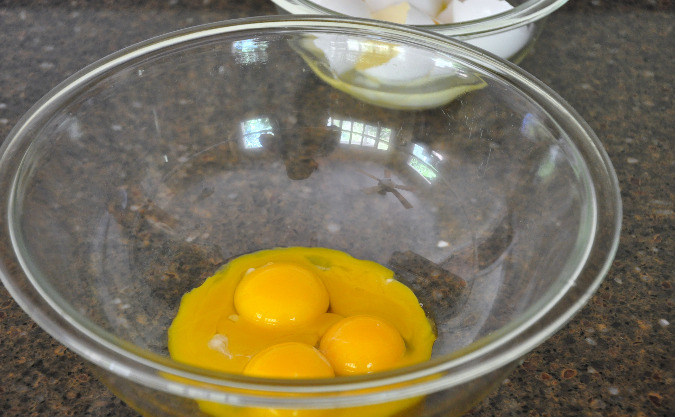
506,28
304,216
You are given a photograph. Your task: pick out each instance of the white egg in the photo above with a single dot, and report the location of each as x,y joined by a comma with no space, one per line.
355,8
464,10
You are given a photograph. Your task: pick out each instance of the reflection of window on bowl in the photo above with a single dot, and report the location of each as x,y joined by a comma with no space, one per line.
252,129
357,133
363,134
250,51
423,161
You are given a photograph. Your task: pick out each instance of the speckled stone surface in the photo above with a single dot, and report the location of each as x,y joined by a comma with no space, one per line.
611,60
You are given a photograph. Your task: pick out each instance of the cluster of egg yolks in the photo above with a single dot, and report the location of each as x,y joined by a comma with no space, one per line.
300,313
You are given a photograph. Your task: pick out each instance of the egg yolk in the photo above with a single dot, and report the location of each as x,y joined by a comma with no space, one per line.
362,344
301,313
280,294
289,360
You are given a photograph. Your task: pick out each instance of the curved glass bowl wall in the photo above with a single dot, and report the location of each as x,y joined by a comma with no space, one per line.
137,178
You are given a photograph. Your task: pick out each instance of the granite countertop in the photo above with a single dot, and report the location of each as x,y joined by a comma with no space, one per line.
612,60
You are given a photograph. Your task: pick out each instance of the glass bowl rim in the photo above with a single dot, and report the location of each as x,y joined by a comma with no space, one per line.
527,12
482,357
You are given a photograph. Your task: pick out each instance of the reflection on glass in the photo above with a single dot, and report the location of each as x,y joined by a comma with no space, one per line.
252,129
422,168
363,134
250,51
423,161
533,128
528,122
548,165
443,62
421,152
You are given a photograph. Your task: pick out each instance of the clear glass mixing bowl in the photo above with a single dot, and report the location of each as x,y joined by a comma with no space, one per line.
508,35
136,178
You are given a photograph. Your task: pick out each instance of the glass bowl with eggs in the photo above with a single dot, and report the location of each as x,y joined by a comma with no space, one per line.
304,216
506,28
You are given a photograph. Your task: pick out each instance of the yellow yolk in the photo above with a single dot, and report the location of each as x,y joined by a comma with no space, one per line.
301,313
289,360
362,344
280,294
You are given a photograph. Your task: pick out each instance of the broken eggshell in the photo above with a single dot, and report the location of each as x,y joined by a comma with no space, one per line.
496,26
385,74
